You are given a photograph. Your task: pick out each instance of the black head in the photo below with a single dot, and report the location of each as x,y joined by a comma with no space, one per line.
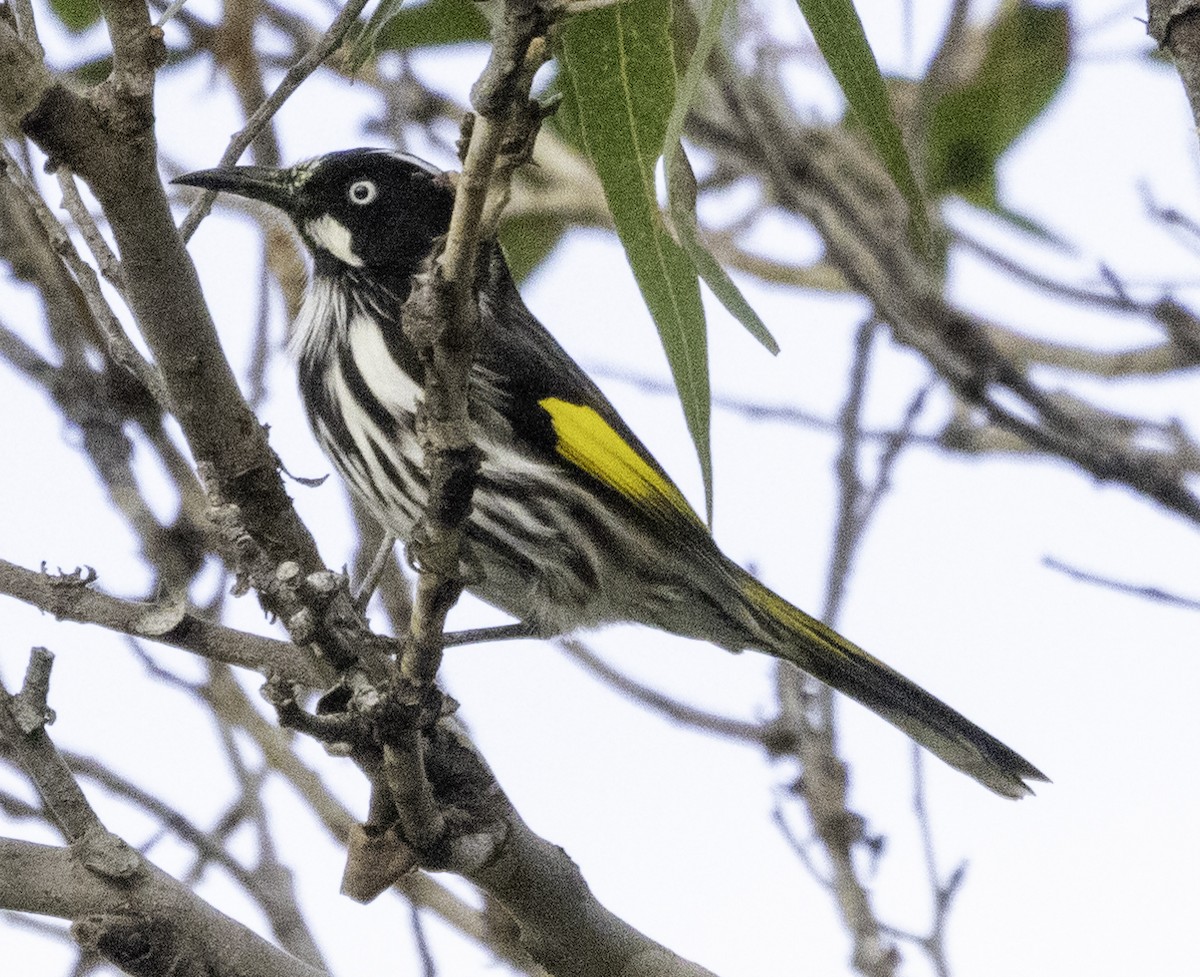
360,208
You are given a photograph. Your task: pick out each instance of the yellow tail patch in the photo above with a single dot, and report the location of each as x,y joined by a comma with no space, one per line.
589,443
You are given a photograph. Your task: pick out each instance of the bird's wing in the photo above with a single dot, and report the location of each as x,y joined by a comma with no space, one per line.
557,411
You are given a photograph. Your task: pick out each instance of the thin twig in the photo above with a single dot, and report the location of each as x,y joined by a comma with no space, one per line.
935,943
172,9
850,524
896,442
17,808
424,951
1171,216
295,76
801,848
756,410
34,751
394,591
106,260
27,27
921,813
260,344
673,709
1121,586
120,347
807,706
382,560
500,632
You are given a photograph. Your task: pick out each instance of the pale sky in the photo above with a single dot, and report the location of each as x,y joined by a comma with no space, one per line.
1096,875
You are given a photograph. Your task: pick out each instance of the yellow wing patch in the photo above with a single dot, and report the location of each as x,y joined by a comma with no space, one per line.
587,441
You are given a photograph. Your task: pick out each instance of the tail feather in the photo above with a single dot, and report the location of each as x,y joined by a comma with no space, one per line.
823,653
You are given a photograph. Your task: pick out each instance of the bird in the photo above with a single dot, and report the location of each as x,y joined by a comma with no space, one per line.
574,524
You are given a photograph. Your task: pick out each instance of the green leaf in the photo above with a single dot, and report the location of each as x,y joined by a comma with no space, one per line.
1025,60
681,194
619,81
92,72
89,73
1034,228
528,240
681,185
365,43
76,15
840,36
433,24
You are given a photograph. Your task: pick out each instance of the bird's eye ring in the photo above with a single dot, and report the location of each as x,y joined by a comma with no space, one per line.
362,192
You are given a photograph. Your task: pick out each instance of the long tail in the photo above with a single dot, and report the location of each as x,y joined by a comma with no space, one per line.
807,643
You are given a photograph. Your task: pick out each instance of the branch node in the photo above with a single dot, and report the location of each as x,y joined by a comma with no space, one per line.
79,577
302,626
162,617
375,859
29,707
136,943
324,583
106,854
288,573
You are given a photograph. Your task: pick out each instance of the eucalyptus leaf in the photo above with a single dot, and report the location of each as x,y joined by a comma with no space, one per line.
839,34
528,240
1024,65
76,15
93,72
681,194
364,47
681,184
619,79
436,23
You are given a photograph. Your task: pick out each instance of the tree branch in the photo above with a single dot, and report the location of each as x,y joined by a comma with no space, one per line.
106,137
825,176
441,317
292,80
1120,586
69,597
148,924
679,712
808,706
1175,26
26,742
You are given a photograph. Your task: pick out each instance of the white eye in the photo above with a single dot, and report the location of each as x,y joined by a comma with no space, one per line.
362,192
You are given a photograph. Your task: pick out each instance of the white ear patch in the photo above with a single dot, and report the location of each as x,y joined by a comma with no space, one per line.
331,235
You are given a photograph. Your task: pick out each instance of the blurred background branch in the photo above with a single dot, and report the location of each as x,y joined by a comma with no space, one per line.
1009,381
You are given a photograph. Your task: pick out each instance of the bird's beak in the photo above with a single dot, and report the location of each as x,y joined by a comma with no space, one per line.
271,186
